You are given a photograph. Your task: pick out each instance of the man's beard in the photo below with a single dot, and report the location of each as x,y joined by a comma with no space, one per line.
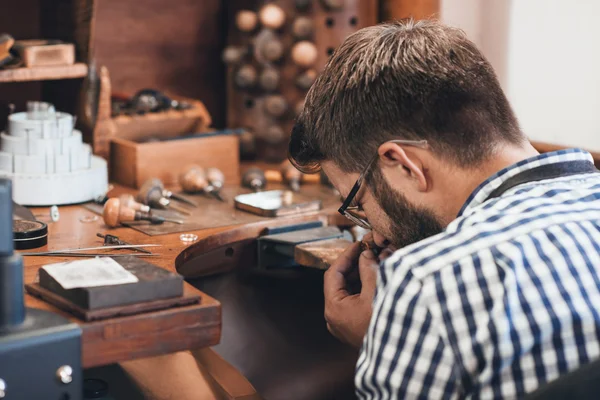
408,224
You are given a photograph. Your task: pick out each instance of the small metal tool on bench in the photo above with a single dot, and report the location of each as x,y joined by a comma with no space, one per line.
194,179
114,214
292,176
216,178
111,240
254,178
153,194
128,201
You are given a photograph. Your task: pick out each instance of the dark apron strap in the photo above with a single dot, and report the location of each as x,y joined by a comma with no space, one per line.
543,172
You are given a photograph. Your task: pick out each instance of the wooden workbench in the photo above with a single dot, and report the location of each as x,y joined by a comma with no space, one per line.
148,334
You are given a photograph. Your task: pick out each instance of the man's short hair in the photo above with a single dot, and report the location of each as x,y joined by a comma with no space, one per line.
403,80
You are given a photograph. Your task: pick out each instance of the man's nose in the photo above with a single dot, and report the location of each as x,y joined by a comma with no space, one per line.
380,240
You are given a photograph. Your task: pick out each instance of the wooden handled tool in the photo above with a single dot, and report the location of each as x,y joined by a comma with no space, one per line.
254,178
289,174
195,179
292,176
151,194
128,201
216,178
168,194
115,213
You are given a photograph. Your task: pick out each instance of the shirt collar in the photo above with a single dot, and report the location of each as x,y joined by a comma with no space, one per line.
482,192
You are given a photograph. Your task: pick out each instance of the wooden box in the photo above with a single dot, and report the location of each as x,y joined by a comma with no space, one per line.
132,163
44,53
160,125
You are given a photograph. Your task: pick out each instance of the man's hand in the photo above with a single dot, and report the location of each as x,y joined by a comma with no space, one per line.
348,315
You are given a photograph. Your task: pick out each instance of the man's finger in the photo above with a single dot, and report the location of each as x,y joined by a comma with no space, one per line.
334,285
368,266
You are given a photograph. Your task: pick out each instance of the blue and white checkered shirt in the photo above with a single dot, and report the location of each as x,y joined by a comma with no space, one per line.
506,299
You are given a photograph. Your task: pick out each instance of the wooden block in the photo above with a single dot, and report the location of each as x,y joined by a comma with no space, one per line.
320,254
110,312
154,283
132,163
45,53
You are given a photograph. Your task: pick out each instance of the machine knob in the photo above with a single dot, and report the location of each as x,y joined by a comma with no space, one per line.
304,54
274,135
232,55
272,16
276,105
333,4
306,79
245,76
302,28
269,79
271,49
246,21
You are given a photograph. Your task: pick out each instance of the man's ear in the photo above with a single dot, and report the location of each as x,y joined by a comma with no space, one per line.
392,155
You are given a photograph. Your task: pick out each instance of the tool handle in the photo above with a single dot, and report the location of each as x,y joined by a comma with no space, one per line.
254,178
128,200
110,213
193,179
215,177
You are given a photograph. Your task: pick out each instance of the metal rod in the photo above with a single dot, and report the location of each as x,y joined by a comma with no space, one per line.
175,221
183,200
127,246
217,195
69,254
179,209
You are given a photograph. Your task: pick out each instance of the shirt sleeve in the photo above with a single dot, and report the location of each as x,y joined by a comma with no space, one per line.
403,355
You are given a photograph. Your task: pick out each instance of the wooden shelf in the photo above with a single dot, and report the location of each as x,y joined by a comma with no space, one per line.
78,70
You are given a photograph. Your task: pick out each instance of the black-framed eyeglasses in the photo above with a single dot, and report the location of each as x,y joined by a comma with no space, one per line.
355,213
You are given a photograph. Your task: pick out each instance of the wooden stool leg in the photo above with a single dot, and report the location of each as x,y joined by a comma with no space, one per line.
225,380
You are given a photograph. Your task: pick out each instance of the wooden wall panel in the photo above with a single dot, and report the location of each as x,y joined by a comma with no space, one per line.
417,9
170,45
19,19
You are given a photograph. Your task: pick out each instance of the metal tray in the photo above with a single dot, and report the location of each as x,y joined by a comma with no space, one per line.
277,203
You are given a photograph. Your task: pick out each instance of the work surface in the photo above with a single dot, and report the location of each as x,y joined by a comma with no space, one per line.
143,335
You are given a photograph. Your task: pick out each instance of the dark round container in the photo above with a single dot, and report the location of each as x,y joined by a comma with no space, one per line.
29,234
